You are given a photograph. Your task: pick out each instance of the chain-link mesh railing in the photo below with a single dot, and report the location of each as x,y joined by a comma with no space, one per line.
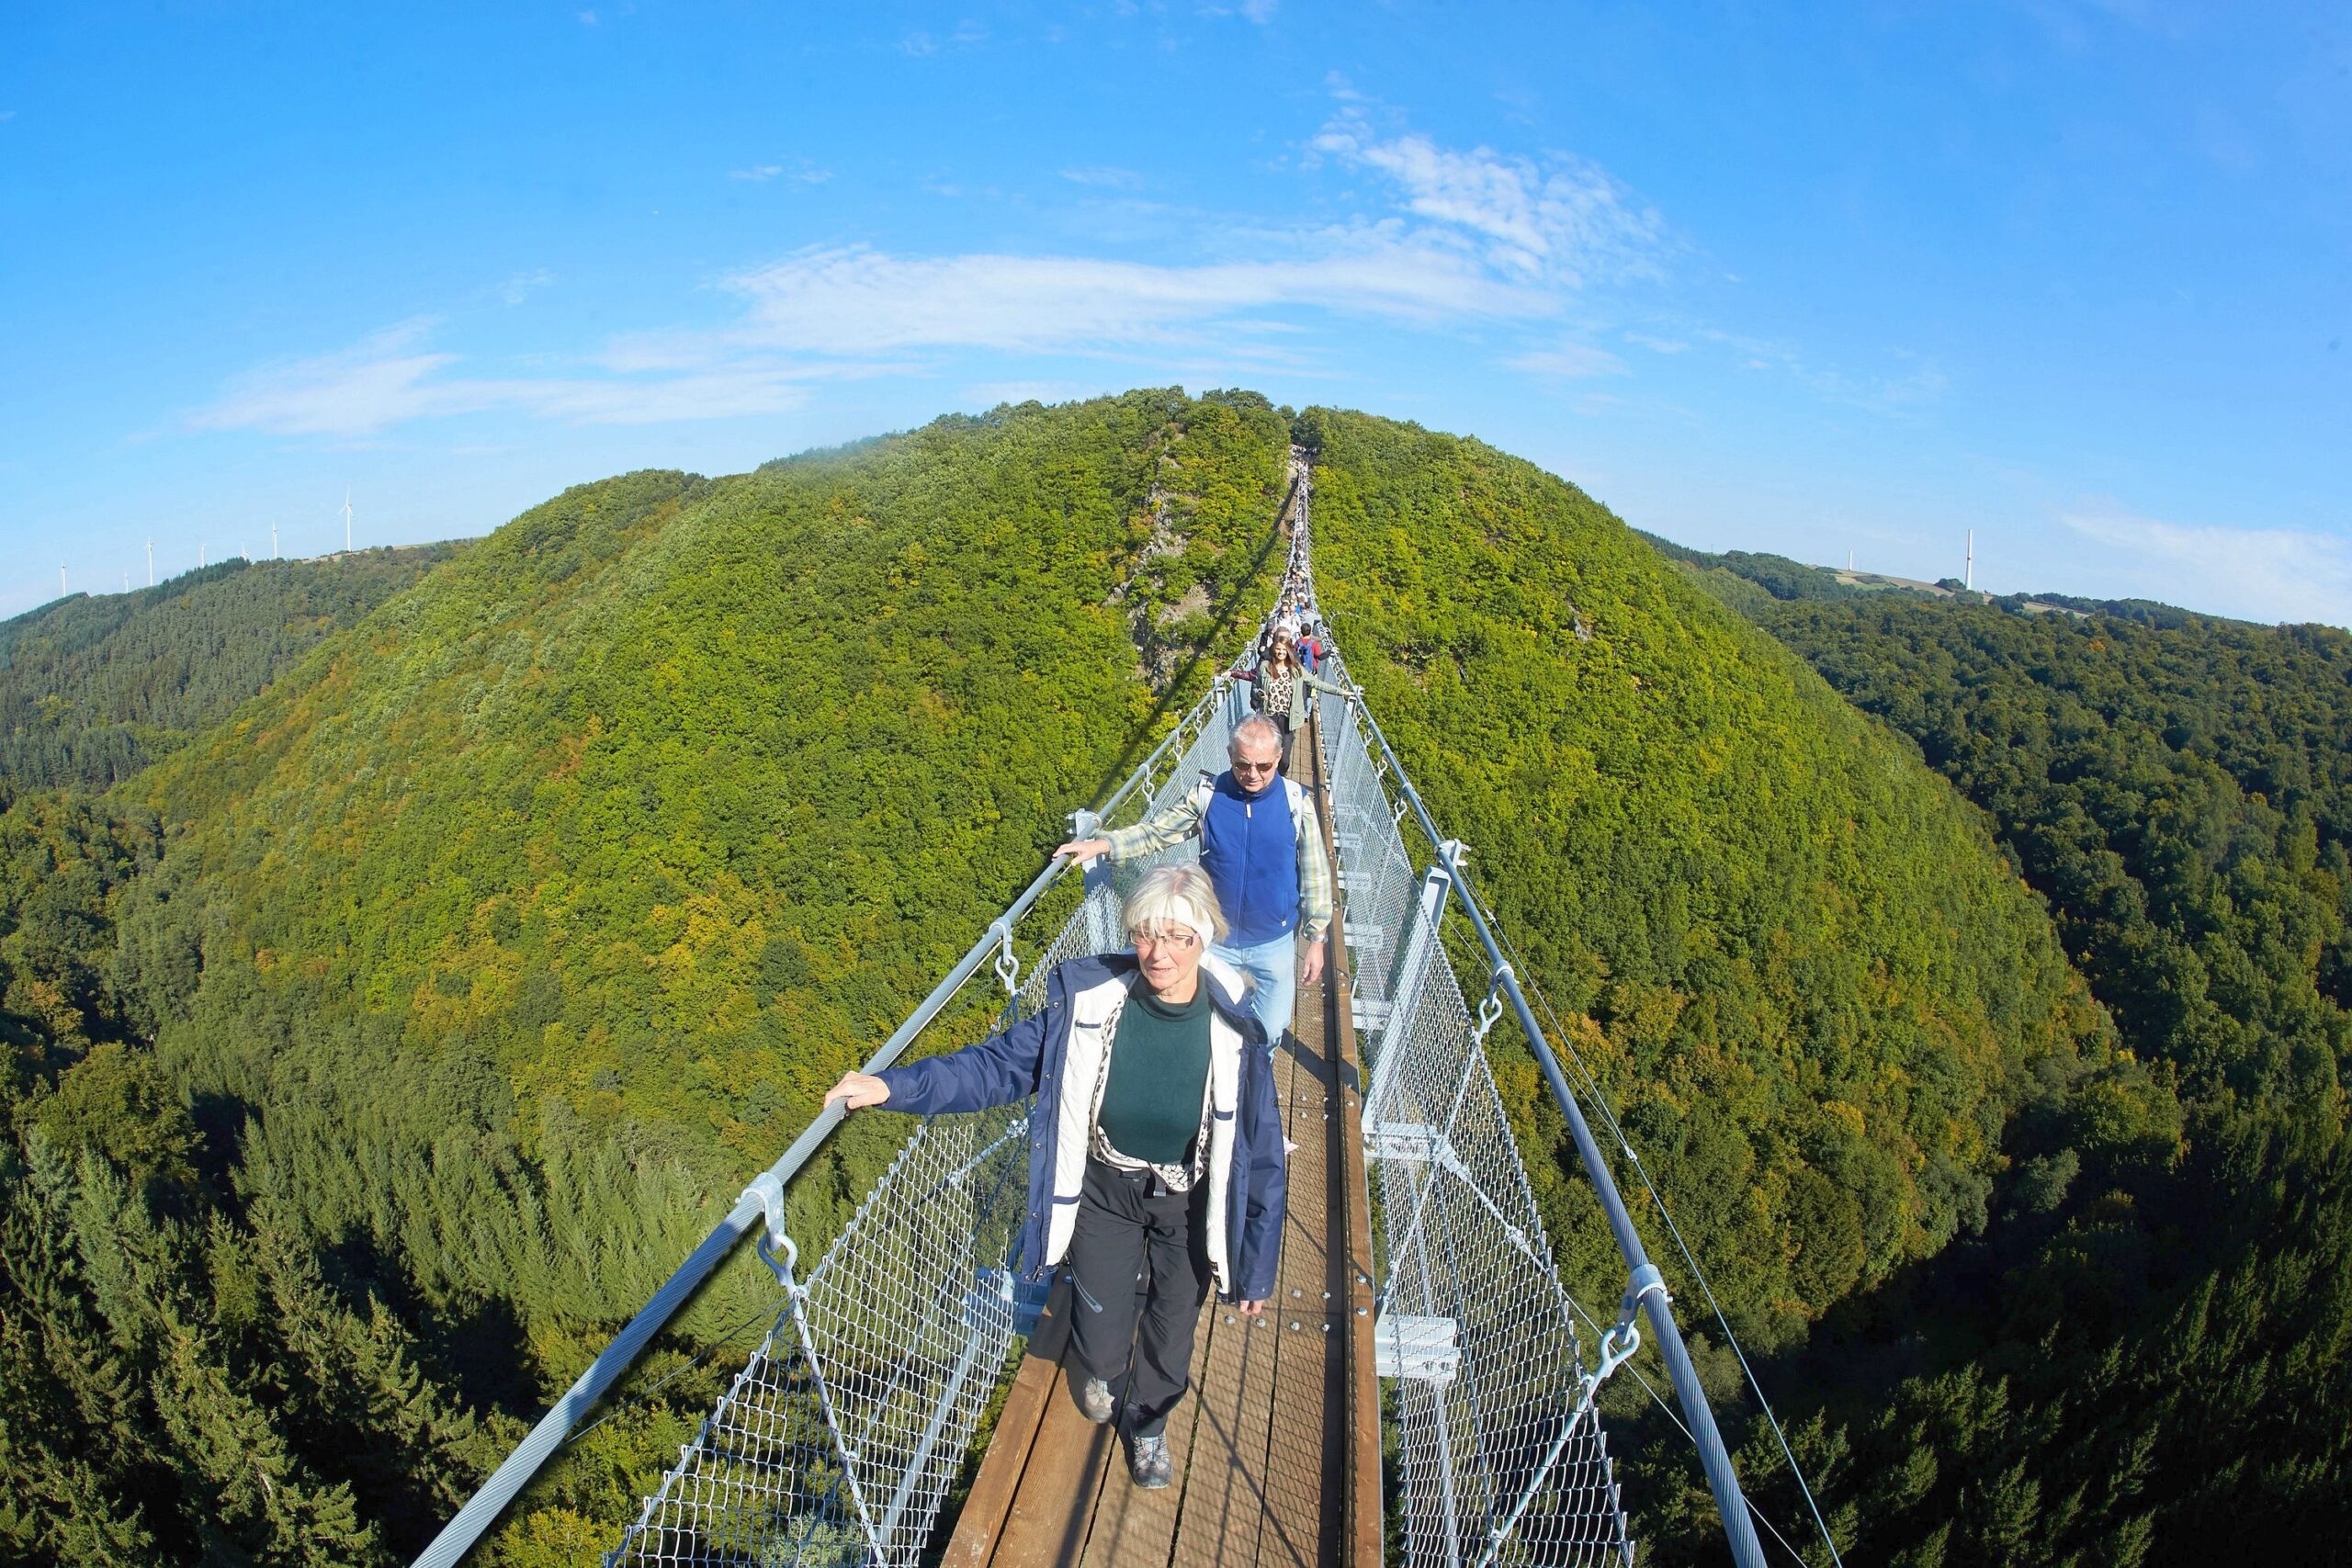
1502,1459
837,1442
1375,874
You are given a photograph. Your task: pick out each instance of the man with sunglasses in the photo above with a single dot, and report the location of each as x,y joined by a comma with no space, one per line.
1262,849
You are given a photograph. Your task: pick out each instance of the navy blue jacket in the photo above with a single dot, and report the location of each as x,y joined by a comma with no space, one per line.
1029,1058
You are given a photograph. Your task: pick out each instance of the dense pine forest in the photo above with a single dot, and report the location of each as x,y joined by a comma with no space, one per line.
402,968
94,688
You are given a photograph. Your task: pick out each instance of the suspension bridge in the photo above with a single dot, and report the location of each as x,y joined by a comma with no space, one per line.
1421,1390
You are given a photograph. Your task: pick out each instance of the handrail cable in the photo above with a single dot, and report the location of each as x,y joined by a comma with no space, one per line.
459,1536
1722,1479
645,1396
1667,1410
873,1377
1657,1199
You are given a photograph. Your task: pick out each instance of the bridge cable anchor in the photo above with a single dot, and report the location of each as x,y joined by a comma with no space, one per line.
1492,1010
770,1193
1008,965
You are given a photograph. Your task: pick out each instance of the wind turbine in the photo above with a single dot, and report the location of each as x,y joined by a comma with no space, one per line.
273,541
151,563
347,522
60,580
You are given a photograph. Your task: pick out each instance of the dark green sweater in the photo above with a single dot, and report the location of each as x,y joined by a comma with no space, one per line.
1159,1068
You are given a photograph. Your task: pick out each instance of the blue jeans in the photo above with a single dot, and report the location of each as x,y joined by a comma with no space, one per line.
1273,966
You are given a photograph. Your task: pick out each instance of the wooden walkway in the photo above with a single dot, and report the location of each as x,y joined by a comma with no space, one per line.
1277,1446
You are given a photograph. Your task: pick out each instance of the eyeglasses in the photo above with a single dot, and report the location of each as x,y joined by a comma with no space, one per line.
1254,769
1180,941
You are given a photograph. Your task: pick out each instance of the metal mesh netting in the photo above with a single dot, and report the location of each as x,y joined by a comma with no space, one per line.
1502,1457
837,1442
1375,874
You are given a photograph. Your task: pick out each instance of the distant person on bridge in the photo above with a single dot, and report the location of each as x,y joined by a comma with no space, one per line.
1310,646
1262,849
1163,1145
1278,688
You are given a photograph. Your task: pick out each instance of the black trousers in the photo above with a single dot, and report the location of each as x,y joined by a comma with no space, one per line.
1283,725
1136,1242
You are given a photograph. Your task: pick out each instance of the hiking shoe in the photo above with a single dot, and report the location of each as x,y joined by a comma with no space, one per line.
1094,1400
1150,1465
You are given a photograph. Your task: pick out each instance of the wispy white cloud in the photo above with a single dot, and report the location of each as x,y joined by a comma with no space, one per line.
2264,574
969,33
1108,178
391,379
852,300
807,174
1454,239
522,284
1568,361
1566,222
1909,383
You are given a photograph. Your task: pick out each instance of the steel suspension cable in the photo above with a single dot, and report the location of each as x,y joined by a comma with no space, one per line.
1723,1479
1690,1261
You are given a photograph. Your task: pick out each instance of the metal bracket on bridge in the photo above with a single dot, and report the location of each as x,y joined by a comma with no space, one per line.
1415,1143
1423,1349
770,1193
1000,1291
1007,967
1644,1282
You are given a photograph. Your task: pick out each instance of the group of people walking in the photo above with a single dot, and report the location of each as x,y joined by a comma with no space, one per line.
1155,1151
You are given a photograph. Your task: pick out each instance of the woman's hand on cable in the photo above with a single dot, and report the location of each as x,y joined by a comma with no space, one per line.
1084,850
858,1091
1252,1309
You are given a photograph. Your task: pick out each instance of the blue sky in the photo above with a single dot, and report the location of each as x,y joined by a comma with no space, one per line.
1810,279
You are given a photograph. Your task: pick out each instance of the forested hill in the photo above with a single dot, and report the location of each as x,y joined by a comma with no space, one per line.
376,1055
373,1054
94,687
2151,1351
1755,583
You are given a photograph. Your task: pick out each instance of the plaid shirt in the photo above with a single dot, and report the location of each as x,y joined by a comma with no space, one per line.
1182,821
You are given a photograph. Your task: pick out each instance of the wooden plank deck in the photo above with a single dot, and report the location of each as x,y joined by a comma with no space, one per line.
1277,1446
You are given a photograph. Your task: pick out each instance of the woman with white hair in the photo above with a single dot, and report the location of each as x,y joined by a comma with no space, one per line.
1156,1140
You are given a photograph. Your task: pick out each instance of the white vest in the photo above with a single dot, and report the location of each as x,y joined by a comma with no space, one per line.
1073,1124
